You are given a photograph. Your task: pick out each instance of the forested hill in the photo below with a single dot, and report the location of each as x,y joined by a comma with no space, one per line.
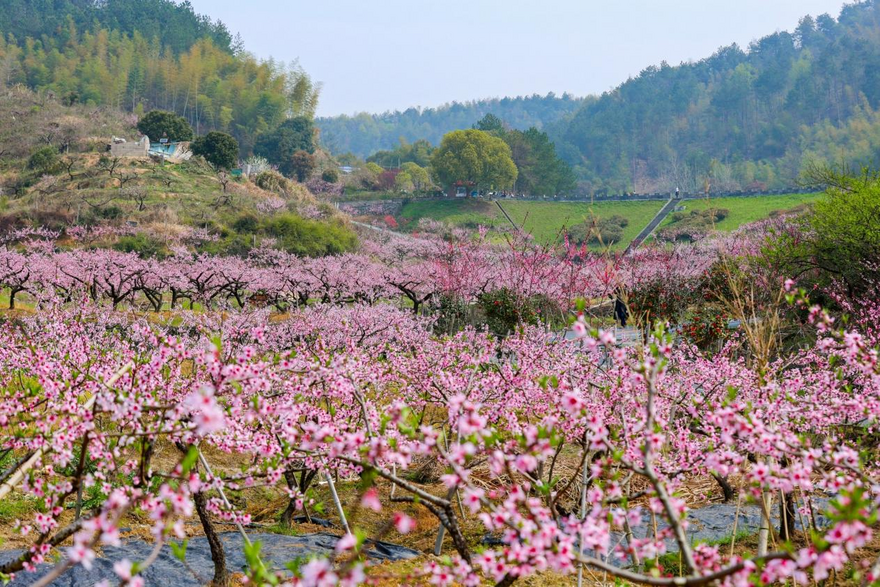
739,117
140,55
364,134
176,26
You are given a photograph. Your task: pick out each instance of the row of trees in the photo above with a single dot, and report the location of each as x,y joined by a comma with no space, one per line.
363,134
490,156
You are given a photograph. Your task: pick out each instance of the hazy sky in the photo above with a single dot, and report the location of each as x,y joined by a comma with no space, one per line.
392,54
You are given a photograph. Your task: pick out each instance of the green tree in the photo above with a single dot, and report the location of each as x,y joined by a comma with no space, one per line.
159,124
218,148
418,152
279,145
541,171
300,166
330,175
403,182
839,240
476,158
490,123
419,176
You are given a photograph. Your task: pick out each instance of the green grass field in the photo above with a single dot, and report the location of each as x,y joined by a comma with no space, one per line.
469,213
545,220
746,210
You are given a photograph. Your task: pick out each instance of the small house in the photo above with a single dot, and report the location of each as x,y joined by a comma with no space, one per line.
461,189
122,148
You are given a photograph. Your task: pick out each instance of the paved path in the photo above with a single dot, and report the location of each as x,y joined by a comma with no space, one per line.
652,226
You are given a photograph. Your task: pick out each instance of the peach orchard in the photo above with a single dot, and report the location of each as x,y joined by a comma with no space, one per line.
334,368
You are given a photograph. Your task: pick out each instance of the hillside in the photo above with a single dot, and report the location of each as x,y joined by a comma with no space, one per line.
140,56
56,173
363,134
176,26
740,117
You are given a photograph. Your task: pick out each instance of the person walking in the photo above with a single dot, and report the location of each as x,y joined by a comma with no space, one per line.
621,313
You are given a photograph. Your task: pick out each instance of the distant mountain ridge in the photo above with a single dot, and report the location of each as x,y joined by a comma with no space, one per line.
740,118
363,134
751,118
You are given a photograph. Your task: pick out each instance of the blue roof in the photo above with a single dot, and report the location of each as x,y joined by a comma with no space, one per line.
163,149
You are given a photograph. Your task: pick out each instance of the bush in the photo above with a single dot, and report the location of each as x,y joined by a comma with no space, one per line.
504,311
707,326
272,181
604,231
310,237
452,314
330,175
246,224
837,245
110,212
159,124
44,161
299,165
238,245
143,245
218,148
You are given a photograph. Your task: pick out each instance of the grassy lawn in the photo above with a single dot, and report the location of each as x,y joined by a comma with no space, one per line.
746,210
466,212
545,220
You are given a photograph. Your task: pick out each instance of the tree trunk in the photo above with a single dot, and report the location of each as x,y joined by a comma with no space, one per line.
287,514
218,555
787,513
729,493
221,575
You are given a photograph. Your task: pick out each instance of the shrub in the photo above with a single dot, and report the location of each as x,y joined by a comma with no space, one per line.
604,231
246,224
299,165
838,243
505,310
143,245
452,314
44,161
272,181
310,237
707,326
238,245
330,175
110,212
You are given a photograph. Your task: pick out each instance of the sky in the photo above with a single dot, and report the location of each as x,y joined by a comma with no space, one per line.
379,55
